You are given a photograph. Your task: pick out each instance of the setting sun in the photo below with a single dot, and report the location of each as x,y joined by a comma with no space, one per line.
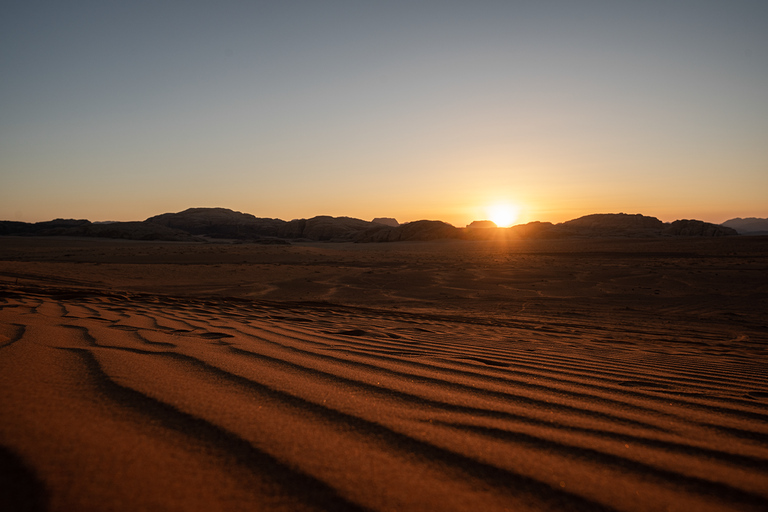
503,214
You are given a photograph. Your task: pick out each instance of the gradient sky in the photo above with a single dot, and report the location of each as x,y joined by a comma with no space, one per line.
289,109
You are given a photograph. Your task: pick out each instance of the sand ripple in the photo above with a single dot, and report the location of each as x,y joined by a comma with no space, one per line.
129,402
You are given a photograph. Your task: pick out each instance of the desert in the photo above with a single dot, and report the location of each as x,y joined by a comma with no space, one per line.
542,374
384,256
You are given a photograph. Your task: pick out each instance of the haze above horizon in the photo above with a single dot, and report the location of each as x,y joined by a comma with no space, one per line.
442,110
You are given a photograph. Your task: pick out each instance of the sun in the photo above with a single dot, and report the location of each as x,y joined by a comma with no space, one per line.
503,214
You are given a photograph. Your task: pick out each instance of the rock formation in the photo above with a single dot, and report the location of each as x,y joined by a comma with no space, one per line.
687,227
420,230
613,224
219,223
482,224
325,228
387,221
748,226
195,223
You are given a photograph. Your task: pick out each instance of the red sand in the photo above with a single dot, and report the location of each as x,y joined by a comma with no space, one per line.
550,375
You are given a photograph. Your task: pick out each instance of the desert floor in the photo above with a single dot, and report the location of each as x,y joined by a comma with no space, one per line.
594,374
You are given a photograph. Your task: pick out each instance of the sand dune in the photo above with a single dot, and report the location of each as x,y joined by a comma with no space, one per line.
459,381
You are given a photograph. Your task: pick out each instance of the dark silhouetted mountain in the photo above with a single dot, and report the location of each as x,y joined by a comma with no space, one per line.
135,231
420,230
220,223
12,227
58,227
520,231
387,221
72,227
622,224
55,227
748,226
612,224
428,230
687,227
535,229
325,228
481,224
225,223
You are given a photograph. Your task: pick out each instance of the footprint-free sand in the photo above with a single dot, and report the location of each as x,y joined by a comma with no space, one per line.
591,374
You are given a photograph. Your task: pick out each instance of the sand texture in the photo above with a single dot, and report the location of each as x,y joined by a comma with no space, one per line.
550,375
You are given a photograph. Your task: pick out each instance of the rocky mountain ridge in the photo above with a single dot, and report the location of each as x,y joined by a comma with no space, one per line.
748,226
205,224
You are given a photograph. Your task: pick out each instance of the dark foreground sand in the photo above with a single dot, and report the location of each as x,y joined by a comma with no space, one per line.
548,375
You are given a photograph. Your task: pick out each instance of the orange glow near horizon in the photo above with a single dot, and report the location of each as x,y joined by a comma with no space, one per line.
503,215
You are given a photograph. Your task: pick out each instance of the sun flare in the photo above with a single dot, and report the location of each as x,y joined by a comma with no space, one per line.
503,214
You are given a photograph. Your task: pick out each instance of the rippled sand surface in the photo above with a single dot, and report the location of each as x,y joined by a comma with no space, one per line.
549,375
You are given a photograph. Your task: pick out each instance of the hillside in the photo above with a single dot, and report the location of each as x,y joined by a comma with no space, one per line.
200,224
748,226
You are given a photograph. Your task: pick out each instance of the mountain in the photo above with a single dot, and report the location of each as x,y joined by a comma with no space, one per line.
197,224
600,225
481,224
687,227
325,228
420,230
220,223
224,223
535,229
54,227
85,228
387,221
613,224
622,224
748,226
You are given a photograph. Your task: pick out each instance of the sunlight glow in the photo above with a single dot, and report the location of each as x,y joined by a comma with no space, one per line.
503,214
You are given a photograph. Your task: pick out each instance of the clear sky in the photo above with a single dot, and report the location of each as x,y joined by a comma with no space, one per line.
415,110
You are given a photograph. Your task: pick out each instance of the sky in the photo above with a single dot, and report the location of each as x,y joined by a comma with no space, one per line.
443,110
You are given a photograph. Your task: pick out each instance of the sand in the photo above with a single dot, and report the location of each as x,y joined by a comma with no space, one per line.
594,374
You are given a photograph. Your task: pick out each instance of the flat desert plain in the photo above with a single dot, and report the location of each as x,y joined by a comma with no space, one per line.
590,374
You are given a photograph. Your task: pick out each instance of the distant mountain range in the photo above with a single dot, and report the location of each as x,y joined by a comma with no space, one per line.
201,224
748,226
